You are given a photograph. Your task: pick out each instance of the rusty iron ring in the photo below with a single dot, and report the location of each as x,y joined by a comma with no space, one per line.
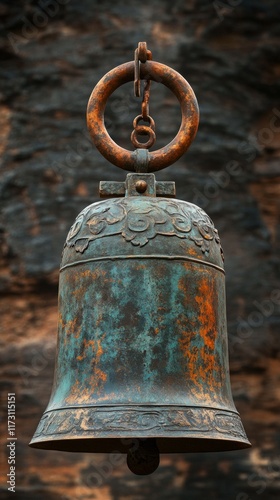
143,130
157,72
148,119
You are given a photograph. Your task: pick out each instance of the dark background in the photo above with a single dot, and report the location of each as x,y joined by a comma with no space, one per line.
52,54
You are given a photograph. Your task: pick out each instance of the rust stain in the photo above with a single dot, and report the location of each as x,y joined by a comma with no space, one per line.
94,384
72,328
192,251
86,274
86,344
139,267
93,274
99,351
182,286
99,319
69,328
207,315
79,293
202,363
98,377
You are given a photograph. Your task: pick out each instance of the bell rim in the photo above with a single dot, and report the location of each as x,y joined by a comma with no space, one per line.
174,444
96,429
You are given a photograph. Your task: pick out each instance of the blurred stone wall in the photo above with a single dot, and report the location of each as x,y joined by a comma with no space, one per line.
53,52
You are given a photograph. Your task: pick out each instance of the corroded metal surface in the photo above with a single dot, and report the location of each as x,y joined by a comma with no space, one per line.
157,72
142,332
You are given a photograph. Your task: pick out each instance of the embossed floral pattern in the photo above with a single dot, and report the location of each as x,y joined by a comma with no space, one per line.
140,222
180,217
104,215
141,225
208,233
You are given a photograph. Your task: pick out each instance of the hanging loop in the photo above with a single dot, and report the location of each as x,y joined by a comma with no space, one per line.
157,72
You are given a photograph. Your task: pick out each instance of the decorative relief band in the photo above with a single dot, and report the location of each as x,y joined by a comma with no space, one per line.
138,222
107,421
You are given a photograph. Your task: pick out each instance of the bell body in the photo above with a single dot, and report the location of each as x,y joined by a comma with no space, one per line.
142,341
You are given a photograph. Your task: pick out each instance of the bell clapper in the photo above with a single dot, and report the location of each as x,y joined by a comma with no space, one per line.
143,457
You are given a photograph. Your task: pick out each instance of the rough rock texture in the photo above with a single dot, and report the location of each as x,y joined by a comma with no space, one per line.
52,54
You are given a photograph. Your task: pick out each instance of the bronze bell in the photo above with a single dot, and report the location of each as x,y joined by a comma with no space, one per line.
142,357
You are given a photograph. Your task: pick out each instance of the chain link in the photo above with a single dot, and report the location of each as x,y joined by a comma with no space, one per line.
142,55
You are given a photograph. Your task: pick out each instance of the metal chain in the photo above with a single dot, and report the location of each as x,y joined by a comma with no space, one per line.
142,55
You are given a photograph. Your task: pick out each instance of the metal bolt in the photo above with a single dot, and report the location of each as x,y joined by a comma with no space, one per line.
141,186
